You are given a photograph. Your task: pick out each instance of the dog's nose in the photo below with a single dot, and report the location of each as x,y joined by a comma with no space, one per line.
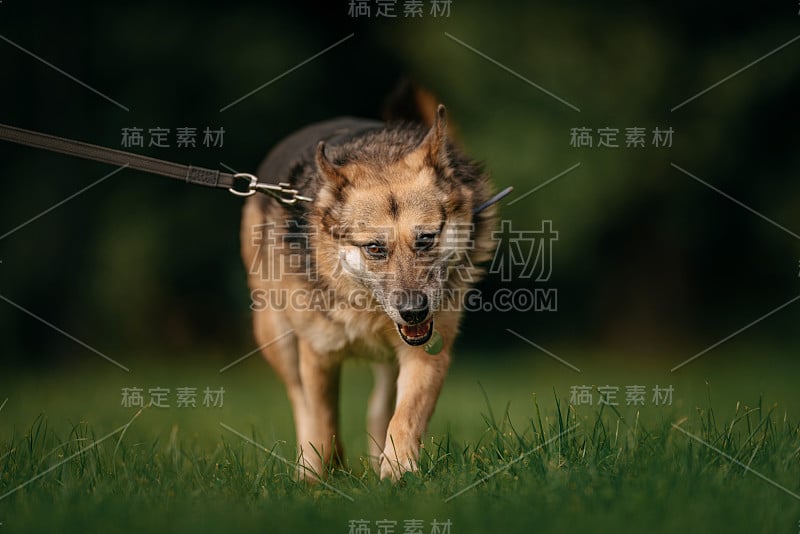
412,306
414,316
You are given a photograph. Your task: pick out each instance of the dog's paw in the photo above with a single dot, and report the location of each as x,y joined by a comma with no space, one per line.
309,469
393,466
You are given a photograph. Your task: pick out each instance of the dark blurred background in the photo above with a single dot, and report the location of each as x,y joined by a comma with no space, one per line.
647,257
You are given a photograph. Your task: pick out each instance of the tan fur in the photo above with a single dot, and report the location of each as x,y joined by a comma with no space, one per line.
360,202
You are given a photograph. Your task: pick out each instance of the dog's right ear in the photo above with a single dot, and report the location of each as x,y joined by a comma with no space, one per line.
432,150
436,139
328,169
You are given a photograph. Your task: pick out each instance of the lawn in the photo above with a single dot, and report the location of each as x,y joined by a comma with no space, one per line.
506,449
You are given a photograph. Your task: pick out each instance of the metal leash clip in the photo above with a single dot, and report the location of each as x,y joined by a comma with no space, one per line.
282,191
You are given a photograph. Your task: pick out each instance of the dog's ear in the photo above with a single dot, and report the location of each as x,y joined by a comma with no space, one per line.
433,147
328,169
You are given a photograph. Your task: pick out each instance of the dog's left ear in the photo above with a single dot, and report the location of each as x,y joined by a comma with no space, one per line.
433,148
328,169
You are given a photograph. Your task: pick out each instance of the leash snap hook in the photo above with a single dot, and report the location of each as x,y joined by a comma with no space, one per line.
287,194
251,180
282,191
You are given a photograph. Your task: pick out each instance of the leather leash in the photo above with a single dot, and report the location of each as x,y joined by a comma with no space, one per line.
239,184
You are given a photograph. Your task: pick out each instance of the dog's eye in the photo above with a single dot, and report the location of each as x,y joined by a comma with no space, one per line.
375,250
425,241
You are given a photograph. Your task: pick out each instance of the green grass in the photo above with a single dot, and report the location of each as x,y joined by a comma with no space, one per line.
620,469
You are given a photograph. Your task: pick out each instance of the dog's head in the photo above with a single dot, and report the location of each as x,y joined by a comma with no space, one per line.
396,210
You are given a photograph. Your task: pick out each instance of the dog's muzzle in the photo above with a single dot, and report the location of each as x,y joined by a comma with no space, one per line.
414,309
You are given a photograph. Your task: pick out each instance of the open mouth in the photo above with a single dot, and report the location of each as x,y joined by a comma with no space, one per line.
416,334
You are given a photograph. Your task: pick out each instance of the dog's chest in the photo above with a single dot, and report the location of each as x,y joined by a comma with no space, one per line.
350,334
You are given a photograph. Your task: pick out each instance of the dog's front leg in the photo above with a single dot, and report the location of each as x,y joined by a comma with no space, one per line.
418,386
320,446
380,409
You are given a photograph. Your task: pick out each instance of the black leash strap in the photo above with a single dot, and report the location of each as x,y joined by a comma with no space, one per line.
240,184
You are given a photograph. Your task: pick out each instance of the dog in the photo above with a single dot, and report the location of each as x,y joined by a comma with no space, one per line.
377,266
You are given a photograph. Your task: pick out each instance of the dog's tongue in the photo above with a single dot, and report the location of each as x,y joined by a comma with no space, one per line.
416,330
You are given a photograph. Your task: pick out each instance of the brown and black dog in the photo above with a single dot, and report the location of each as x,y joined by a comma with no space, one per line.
376,266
